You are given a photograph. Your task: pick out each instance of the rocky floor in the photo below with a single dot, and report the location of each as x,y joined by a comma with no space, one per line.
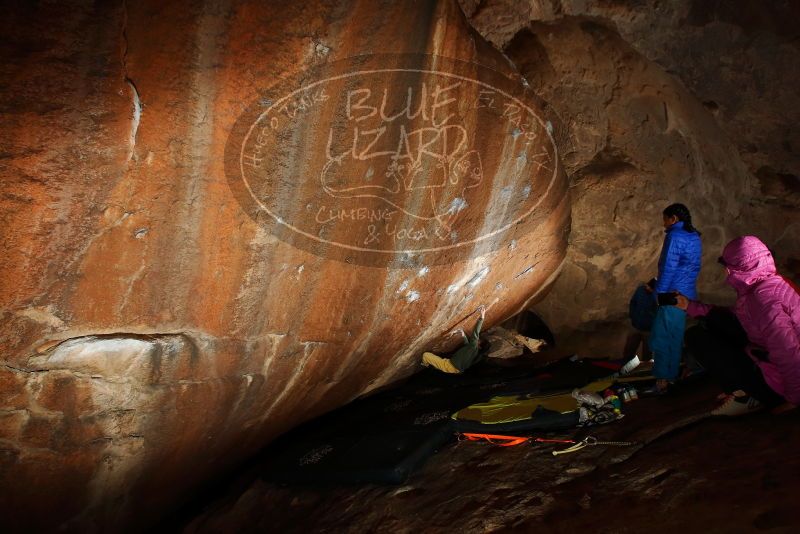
686,472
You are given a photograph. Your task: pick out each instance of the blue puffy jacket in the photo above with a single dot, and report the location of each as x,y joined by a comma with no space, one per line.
679,264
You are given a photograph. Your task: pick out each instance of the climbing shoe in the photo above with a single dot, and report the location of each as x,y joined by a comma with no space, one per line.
632,364
734,406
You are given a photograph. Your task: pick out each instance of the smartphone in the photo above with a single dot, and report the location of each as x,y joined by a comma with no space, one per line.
667,299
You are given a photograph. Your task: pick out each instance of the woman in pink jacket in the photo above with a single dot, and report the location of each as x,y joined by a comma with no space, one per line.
760,364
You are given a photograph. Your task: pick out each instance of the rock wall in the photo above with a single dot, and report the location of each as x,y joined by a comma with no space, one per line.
213,230
686,101
223,218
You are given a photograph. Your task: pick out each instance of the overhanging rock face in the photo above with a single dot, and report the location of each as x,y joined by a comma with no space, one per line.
223,219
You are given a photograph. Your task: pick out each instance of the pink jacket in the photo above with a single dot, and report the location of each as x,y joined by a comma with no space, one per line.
768,309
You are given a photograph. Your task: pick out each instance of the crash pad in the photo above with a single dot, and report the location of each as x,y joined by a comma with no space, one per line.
535,412
387,457
385,437
553,411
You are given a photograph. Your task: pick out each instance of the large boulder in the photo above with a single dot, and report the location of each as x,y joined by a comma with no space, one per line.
221,219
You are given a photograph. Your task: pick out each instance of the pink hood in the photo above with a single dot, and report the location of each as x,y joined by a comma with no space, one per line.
769,310
748,261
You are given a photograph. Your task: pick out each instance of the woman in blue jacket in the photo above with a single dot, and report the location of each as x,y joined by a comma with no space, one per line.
678,268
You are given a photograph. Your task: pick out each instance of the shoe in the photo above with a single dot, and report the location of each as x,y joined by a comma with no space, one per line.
644,368
632,364
661,387
734,406
655,391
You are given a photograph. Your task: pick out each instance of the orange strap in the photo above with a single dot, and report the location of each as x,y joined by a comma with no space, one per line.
495,439
509,441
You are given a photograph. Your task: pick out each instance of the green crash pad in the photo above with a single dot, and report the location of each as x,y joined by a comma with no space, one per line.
529,412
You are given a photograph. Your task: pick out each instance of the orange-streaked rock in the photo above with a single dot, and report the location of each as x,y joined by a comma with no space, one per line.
157,326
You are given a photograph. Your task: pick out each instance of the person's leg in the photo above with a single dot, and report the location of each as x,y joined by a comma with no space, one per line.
677,331
666,341
647,354
442,364
659,343
758,388
753,395
719,357
726,361
632,343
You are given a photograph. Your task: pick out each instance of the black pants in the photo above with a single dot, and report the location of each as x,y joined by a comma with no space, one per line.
718,344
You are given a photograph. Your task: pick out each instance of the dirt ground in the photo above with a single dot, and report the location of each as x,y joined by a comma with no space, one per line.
686,472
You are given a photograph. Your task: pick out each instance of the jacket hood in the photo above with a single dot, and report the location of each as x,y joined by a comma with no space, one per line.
748,261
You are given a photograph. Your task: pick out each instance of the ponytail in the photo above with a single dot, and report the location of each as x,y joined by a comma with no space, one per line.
682,213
